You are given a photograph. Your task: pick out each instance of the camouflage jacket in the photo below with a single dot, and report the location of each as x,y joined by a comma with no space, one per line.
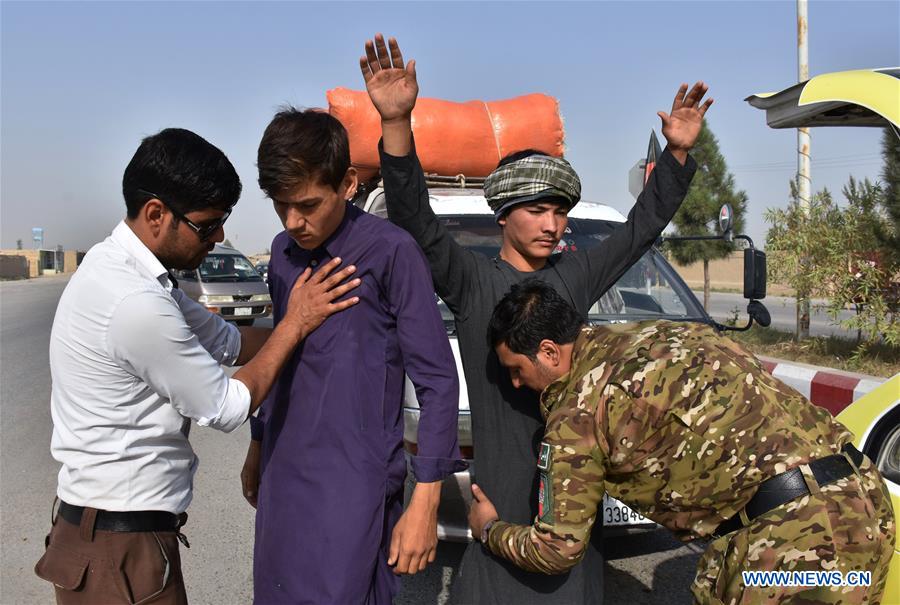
673,419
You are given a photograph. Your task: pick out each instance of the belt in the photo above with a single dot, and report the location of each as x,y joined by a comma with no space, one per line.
786,486
141,520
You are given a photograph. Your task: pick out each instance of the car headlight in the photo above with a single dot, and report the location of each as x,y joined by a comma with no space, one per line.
259,297
214,298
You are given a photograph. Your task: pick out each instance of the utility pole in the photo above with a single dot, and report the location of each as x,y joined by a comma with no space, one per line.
804,188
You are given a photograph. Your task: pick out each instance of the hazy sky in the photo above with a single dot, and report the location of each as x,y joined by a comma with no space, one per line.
83,82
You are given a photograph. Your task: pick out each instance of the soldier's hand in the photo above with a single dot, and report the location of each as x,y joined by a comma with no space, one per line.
250,473
391,85
414,541
481,512
682,126
313,296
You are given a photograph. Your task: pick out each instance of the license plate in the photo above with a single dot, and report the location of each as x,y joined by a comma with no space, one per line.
242,310
616,513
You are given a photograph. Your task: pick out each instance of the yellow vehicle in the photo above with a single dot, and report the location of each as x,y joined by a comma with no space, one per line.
874,419
855,98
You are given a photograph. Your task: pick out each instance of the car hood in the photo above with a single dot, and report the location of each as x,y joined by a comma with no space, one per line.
240,288
862,97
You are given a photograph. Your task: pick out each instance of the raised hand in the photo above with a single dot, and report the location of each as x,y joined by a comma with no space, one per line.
313,295
682,126
392,87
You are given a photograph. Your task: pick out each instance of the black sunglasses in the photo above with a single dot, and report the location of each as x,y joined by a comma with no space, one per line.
205,231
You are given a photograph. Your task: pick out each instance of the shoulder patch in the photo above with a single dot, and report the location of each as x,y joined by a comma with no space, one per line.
544,457
545,499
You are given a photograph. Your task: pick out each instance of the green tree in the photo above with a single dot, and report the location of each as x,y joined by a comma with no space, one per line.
712,187
795,236
848,266
889,235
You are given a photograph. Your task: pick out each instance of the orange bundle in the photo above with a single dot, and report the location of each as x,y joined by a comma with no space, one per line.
454,138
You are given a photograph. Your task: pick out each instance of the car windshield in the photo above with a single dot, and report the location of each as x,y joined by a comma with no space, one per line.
650,289
227,268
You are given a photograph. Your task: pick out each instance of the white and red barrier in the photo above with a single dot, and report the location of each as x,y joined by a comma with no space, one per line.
832,389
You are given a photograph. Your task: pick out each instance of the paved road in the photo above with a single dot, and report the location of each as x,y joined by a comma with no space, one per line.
783,311
648,568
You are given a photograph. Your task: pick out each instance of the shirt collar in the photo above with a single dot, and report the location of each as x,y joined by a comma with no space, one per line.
552,395
335,242
132,244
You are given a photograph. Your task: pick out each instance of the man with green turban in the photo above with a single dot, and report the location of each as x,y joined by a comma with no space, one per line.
530,194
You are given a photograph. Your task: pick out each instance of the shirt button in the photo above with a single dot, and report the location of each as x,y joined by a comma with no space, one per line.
314,263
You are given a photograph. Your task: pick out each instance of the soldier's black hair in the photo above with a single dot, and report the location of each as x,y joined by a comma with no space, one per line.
530,312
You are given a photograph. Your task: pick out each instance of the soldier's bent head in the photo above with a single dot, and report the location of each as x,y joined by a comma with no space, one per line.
532,330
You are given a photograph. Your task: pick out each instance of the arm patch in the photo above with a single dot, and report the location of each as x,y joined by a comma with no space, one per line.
544,457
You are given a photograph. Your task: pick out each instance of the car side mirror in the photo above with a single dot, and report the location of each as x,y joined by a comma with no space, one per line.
754,273
726,217
758,313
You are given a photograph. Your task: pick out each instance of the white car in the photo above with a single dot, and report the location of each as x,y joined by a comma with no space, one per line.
651,289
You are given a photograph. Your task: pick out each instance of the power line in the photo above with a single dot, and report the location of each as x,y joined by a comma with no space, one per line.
835,160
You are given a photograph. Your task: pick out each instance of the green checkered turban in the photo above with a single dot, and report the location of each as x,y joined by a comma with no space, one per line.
529,179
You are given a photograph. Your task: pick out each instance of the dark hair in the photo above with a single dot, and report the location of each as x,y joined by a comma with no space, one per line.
299,146
518,155
529,313
184,170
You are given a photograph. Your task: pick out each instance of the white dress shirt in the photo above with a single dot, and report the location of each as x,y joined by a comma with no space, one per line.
132,360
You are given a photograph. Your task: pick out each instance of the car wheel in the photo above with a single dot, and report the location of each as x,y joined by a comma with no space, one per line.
883,445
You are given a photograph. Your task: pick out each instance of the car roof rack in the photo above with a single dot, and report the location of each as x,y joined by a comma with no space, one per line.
460,181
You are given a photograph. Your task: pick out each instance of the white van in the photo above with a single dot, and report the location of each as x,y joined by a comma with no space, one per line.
227,283
651,289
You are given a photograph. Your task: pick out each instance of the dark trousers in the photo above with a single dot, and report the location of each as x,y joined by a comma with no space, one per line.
93,567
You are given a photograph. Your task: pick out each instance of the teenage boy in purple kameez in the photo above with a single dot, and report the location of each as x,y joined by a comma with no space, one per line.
328,443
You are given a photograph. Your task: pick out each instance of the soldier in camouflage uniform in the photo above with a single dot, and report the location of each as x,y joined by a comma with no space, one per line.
685,427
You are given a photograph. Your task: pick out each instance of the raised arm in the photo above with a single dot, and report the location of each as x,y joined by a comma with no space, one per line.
661,197
393,89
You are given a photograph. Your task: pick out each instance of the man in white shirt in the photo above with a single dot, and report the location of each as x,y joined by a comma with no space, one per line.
134,360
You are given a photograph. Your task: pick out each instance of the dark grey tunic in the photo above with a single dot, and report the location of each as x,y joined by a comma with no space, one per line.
506,422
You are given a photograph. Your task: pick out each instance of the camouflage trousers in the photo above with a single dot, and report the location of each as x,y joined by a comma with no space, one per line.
846,526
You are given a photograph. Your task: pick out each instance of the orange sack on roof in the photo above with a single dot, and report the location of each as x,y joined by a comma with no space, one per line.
454,138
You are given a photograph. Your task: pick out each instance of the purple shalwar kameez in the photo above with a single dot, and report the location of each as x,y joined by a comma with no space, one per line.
333,464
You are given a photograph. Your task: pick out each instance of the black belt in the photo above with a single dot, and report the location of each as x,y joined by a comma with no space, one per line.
141,520
786,486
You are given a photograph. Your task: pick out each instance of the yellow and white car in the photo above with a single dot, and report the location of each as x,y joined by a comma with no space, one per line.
866,97
874,419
